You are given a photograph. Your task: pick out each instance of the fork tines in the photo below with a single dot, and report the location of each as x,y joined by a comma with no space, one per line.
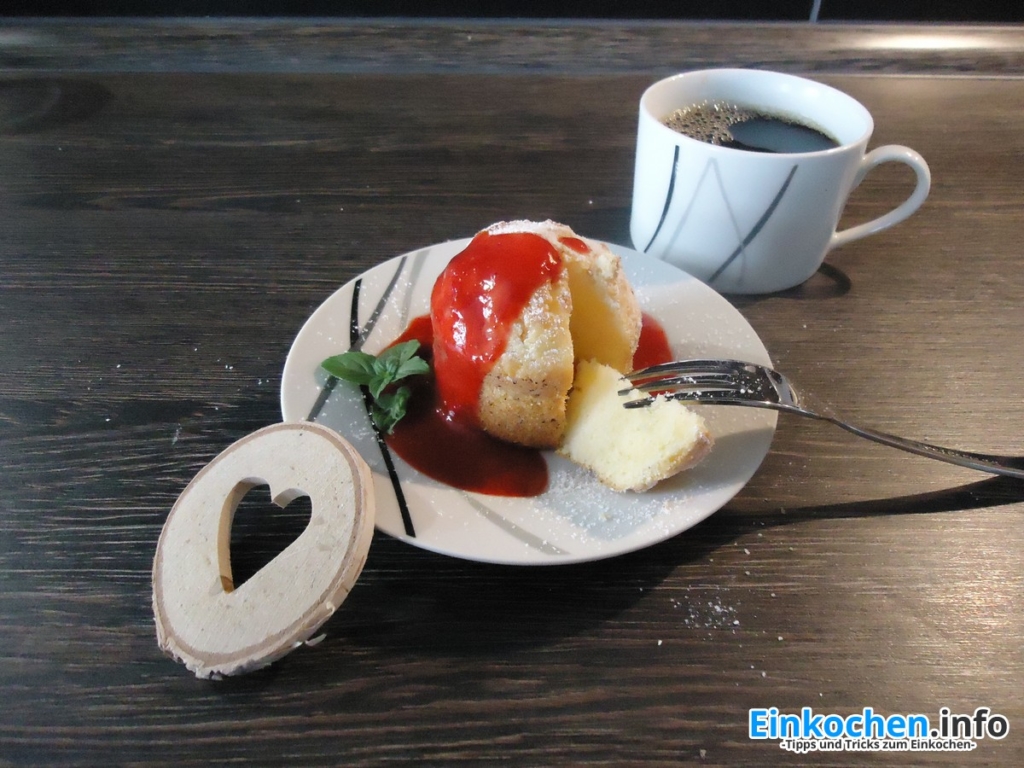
689,374
706,381
692,367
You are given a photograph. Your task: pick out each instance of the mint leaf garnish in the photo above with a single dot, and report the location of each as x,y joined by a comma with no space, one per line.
389,408
377,374
357,367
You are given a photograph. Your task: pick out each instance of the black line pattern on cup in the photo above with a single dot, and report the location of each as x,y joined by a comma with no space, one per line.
757,227
668,197
712,168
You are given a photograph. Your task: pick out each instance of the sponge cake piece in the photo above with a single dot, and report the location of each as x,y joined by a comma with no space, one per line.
628,449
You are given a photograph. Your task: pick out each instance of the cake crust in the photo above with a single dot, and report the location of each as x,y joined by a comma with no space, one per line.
522,399
590,311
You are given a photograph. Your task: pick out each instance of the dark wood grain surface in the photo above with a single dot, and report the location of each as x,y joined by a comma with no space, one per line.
175,199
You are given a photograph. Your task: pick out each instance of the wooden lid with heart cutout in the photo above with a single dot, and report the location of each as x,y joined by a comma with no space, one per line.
215,629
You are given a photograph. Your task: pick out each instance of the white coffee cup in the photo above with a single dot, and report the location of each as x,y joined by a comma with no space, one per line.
746,221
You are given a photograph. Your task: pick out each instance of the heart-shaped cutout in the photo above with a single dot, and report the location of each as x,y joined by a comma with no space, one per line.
261,529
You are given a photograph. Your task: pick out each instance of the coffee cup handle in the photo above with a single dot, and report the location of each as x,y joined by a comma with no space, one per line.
891,153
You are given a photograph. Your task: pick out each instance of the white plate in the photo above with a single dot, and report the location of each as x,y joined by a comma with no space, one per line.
576,519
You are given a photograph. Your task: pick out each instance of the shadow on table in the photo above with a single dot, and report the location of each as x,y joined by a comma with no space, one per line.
728,526
829,282
423,607
418,604
991,492
425,600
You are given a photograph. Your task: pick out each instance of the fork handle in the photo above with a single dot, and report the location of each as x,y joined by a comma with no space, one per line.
1011,466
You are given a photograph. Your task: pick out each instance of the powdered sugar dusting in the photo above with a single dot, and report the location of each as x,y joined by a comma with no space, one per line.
597,513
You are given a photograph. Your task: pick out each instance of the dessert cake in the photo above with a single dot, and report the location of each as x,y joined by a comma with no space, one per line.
512,314
533,326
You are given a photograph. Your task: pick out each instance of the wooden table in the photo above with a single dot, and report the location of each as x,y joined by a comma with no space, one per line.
177,197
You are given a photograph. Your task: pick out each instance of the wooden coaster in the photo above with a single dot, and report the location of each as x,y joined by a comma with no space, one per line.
215,629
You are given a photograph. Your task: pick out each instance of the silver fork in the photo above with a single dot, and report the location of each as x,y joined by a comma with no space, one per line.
733,382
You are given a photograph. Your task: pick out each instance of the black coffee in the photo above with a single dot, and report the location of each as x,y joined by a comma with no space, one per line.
728,125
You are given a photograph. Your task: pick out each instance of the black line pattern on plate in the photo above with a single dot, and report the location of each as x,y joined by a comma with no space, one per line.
321,400
530,539
415,273
357,337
